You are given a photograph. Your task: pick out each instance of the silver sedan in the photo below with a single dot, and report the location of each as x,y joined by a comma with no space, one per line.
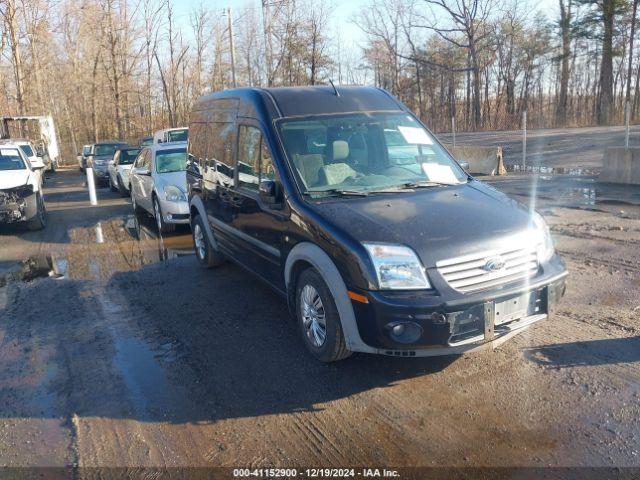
159,184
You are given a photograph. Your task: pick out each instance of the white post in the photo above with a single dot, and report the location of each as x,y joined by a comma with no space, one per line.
91,184
453,130
627,119
524,139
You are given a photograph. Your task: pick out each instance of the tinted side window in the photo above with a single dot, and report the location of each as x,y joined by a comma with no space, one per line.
198,143
220,138
249,139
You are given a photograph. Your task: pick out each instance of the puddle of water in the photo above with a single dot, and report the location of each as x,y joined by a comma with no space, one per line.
111,246
143,376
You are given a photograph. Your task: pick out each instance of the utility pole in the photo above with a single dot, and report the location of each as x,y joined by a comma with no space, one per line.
232,49
266,26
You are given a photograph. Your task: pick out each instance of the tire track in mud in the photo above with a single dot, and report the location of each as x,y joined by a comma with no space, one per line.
621,264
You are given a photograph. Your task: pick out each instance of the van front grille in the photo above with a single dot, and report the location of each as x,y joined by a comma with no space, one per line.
484,270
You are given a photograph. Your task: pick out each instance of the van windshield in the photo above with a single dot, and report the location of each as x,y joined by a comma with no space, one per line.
365,153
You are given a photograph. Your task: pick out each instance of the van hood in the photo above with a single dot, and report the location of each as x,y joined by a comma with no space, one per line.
13,178
438,223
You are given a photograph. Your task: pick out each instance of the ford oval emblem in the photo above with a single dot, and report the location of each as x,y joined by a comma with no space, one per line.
494,264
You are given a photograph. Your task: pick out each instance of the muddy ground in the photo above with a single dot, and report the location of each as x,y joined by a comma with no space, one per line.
117,349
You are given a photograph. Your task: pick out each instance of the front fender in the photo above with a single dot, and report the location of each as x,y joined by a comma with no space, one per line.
197,204
318,258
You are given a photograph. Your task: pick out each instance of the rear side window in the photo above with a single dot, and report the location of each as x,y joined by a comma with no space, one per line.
254,159
220,138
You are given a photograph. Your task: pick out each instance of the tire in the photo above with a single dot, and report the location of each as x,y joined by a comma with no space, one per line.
314,306
39,220
112,187
121,188
136,209
207,256
163,227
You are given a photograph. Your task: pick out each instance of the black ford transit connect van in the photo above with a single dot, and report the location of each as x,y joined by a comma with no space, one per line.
349,207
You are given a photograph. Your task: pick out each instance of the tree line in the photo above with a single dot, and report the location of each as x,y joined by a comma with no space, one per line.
124,68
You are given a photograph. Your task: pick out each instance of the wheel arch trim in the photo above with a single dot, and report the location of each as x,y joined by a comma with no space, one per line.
197,204
318,258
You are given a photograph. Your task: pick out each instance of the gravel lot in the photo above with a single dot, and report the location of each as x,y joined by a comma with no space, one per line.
129,354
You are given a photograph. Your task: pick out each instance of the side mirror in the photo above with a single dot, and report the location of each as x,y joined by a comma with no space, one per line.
464,164
267,191
143,171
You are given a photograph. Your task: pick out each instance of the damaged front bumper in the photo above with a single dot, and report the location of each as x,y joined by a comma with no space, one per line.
17,204
430,324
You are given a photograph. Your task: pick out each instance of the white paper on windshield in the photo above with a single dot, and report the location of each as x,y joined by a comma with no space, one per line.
415,135
9,152
439,173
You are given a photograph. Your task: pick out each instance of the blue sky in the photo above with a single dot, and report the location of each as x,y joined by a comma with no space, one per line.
343,12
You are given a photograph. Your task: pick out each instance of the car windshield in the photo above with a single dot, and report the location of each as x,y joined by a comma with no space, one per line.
103,150
174,160
365,153
178,135
86,150
10,159
28,151
127,157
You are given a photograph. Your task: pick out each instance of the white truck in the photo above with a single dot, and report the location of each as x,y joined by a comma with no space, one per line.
40,129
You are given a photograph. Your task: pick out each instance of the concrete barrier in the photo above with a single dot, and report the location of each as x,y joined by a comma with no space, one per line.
482,160
621,165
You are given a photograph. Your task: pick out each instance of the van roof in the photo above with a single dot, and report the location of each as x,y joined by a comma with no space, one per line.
312,100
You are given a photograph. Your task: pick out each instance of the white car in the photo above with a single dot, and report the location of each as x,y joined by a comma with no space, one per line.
27,148
21,198
120,167
171,135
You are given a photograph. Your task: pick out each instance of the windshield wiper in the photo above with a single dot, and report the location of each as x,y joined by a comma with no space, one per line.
338,191
426,183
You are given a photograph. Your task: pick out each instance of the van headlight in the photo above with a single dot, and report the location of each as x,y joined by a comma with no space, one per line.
397,267
173,194
544,241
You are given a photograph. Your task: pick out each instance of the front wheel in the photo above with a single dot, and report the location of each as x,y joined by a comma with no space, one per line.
121,188
207,256
163,227
112,187
39,220
318,318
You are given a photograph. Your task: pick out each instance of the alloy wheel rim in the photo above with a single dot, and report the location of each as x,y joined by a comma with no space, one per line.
313,316
198,239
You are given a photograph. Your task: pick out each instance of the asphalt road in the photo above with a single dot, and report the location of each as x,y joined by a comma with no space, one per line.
568,147
117,349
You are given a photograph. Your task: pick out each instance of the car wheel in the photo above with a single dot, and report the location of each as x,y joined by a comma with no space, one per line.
112,187
206,254
121,188
318,318
39,220
134,204
163,227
